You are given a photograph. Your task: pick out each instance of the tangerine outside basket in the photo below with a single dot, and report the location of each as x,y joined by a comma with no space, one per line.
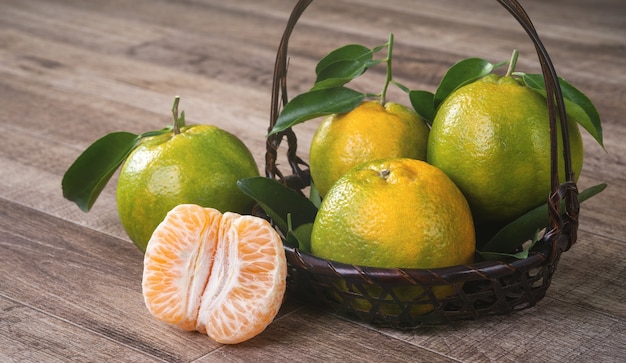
379,295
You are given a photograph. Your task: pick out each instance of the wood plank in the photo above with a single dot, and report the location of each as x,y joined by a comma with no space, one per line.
30,335
149,36
34,187
552,331
317,342
128,83
590,275
87,278
601,215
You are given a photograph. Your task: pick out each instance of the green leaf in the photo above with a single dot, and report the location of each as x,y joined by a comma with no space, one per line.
317,103
90,172
314,195
459,74
301,237
344,70
339,73
577,105
350,52
330,83
157,132
423,103
279,202
520,255
514,234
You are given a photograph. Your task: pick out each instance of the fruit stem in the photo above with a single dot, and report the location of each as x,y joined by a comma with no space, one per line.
512,63
177,119
384,173
383,94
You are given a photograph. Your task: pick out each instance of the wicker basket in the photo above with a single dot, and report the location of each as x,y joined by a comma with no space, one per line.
378,295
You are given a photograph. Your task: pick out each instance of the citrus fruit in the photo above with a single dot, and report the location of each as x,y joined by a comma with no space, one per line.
371,131
492,138
199,165
220,274
394,213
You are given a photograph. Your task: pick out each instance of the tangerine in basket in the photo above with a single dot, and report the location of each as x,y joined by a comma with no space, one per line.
492,137
219,274
395,213
370,131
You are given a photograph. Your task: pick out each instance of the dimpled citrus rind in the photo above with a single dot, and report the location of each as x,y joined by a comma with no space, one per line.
369,132
492,138
394,213
201,165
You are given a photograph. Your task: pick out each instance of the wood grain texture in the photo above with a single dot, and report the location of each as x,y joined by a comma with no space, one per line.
72,71
35,336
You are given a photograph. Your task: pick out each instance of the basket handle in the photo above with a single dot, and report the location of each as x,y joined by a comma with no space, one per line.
562,228
566,225
300,177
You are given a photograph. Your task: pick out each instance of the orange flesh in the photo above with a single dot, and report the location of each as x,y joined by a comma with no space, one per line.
223,275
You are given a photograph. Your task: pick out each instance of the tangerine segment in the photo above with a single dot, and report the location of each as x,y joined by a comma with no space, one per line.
224,275
177,264
252,269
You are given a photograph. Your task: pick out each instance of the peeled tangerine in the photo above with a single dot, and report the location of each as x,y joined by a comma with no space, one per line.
220,274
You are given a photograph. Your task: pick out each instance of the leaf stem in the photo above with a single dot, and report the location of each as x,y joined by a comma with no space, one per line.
176,125
512,63
389,78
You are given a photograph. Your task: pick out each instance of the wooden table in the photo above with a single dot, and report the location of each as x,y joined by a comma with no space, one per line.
72,71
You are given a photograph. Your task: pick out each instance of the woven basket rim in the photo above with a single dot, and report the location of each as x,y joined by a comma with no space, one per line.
449,273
